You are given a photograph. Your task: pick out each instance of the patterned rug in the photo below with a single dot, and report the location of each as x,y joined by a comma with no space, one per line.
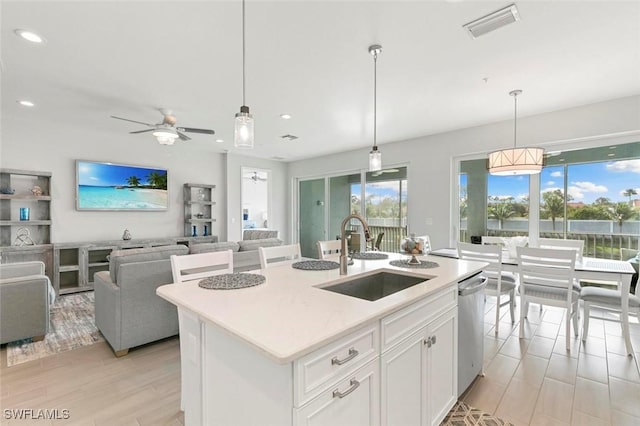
463,415
72,326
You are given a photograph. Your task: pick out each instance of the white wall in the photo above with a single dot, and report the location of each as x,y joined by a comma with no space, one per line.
277,201
55,147
430,158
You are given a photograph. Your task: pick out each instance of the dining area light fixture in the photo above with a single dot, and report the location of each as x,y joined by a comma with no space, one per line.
375,156
243,132
516,161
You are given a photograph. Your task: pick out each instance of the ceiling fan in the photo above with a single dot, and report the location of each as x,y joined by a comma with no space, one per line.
255,177
166,131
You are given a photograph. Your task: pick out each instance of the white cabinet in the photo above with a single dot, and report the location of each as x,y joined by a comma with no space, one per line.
354,401
419,376
399,369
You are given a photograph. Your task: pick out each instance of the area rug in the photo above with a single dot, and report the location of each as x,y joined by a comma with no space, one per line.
463,415
72,326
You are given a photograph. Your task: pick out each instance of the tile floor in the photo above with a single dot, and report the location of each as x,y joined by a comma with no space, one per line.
536,381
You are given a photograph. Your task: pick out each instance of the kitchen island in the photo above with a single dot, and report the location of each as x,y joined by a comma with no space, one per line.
288,352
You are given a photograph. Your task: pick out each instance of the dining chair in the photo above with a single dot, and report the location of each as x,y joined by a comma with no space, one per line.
561,244
498,283
271,255
191,267
378,242
329,249
609,300
547,277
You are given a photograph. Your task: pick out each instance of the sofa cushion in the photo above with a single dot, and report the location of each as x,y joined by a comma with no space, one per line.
209,247
248,245
258,234
120,257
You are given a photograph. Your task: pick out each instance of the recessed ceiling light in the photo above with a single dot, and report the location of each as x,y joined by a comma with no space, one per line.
29,36
219,140
285,116
26,103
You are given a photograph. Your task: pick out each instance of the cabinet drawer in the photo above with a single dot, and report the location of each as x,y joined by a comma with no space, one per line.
353,401
322,368
401,324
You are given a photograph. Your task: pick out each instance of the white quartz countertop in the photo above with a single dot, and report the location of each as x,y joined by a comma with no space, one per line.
289,316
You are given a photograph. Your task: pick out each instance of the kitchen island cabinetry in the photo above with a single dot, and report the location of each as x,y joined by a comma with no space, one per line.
301,355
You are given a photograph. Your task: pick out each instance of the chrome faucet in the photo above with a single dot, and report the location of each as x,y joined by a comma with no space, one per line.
343,238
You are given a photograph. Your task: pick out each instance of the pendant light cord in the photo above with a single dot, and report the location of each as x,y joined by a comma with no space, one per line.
515,118
243,58
375,97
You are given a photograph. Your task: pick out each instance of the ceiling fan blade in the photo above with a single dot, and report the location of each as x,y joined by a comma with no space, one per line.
192,130
143,131
133,121
182,136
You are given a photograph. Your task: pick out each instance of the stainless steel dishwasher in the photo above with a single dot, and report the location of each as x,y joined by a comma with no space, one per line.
470,329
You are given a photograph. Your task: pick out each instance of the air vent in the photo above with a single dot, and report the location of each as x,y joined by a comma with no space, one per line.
289,137
492,21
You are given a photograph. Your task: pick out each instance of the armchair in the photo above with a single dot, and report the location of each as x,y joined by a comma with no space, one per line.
25,298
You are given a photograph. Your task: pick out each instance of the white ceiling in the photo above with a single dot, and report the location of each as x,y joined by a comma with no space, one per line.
310,59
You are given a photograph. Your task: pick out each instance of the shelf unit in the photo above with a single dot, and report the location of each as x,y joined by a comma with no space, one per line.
198,209
76,263
39,224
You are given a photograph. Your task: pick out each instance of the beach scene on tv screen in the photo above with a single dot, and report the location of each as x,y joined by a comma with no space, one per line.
114,186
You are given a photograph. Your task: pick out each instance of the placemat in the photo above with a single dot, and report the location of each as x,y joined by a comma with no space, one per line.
405,264
370,255
316,265
231,281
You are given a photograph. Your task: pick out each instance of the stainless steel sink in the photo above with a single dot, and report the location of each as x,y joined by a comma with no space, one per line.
375,286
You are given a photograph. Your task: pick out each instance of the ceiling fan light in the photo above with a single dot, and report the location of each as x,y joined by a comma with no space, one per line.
163,140
375,160
243,134
165,133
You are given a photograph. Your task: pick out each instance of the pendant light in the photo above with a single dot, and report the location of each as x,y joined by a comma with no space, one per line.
243,135
516,161
375,156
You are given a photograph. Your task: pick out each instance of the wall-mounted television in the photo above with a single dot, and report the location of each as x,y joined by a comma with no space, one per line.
109,186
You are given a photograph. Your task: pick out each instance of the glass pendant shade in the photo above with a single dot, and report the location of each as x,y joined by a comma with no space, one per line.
375,160
243,135
516,161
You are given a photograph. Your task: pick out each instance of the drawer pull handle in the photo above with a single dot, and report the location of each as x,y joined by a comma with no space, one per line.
352,354
354,385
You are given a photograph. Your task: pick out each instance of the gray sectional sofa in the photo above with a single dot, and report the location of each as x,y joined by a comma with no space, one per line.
128,311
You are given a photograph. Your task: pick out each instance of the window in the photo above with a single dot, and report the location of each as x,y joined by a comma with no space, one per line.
601,204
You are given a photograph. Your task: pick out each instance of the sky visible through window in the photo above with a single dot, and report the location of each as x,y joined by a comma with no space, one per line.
586,182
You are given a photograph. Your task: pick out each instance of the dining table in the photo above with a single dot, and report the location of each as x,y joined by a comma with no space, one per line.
617,272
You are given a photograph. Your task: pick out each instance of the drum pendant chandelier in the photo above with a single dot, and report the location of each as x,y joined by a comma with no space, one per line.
516,161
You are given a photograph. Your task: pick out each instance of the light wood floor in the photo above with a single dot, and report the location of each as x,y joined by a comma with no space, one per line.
530,381
536,381
142,388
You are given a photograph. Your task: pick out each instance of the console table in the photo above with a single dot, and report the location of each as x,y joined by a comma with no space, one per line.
74,264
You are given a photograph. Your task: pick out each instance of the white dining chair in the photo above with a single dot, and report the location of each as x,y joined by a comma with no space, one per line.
271,255
329,249
561,244
498,284
609,300
191,267
547,277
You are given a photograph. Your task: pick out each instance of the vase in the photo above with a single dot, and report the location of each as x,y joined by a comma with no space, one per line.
206,229
195,234
24,213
